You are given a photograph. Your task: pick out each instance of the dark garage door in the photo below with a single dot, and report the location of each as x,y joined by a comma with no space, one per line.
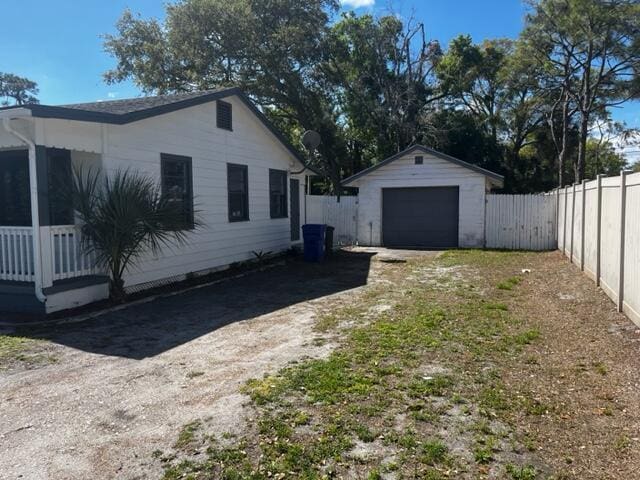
420,217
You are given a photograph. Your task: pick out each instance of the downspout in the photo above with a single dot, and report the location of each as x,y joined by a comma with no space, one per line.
35,213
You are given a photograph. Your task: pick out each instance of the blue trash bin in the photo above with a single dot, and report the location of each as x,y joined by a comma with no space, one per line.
314,239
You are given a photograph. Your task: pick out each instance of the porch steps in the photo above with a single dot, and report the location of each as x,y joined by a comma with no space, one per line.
19,297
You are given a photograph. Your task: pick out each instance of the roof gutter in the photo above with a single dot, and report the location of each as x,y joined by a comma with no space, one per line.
16,112
35,213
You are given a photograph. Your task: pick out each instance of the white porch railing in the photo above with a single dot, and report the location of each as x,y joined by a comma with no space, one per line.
62,254
16,254
69,259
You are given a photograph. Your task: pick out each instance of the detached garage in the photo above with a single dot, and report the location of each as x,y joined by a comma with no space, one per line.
422,198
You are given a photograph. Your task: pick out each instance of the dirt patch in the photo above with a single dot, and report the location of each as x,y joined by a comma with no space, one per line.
585,370
125,383
465,366
463,369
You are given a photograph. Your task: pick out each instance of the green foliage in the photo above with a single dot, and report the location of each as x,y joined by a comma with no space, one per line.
509,283
124,216
602,158
526,472
372,86
588,55
17,90
434,452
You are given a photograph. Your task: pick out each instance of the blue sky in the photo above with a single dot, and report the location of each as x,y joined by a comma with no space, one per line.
58,43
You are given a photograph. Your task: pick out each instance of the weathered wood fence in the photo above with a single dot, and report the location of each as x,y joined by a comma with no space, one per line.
343,216
521,222
599,230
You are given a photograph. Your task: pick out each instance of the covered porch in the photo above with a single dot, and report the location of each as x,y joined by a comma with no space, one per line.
57,263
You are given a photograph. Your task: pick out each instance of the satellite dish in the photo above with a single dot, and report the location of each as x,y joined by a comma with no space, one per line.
311,140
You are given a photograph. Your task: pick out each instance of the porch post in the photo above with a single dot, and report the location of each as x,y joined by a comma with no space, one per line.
42,179
43,229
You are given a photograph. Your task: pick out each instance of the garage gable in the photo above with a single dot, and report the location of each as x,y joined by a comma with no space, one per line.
421,161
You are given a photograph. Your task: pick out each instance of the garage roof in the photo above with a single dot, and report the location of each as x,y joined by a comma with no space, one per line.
421,148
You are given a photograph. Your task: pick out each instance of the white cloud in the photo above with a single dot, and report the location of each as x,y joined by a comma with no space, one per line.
112,94
357,3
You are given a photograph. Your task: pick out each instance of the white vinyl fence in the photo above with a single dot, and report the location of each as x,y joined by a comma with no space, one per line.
599,230
521,222
341,215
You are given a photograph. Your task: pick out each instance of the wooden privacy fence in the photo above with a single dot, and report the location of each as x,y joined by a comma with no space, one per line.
599,230
521,222
341,215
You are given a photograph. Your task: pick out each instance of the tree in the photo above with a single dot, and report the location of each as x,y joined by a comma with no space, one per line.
271,49
382,71
602,158
497,85
17,90
590,50
123,217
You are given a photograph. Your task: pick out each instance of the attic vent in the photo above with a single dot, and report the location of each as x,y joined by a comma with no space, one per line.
223,115
419,159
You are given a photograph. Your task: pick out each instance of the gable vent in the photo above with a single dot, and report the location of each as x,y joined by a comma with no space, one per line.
419,159
224,115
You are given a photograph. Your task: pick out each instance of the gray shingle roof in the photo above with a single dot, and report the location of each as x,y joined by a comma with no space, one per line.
121,112
130,105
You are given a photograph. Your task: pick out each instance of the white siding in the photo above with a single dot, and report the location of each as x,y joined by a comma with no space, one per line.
434,172
192,132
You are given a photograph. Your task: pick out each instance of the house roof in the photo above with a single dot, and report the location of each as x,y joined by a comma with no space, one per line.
421,148
121,112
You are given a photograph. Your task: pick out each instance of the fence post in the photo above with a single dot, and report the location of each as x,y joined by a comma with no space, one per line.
564,221
582,223
557,219
598,227
573,218
623,208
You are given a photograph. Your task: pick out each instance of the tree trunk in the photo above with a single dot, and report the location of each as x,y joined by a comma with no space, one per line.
582,147
562,154
116,290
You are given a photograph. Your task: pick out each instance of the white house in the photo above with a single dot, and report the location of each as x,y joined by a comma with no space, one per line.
214,148
422,198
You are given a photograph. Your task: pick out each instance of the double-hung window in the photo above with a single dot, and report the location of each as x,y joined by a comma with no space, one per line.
238,187
177,185
278,193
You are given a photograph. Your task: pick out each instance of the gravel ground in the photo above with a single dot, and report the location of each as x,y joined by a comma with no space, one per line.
124,384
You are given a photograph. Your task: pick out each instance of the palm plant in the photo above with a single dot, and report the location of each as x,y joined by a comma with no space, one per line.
124,216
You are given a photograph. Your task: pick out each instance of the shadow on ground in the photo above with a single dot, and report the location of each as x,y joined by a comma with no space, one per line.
149,329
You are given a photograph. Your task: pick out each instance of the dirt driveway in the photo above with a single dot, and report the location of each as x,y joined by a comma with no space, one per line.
117,388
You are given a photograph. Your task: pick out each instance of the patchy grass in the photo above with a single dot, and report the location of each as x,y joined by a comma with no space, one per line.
399,392
187,434
509,283
521,473
22,350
